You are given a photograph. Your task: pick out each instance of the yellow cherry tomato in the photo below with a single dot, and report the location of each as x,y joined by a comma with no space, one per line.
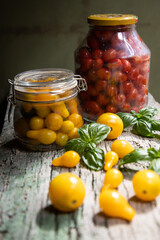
76,119
27,107
73,134
111,159
121,147
53,121
72,105
61,139
146,184
33,134
113,178
42,97
114,122
36,123
114,204
42,111
68,159
66,192
60,108
67,126
46,136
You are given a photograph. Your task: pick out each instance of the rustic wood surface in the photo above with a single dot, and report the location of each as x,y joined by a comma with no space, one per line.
26,212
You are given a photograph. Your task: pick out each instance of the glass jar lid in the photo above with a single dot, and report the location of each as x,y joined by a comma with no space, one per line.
42,81
112,19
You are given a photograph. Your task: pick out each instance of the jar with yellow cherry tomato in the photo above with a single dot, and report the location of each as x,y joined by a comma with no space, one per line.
47,112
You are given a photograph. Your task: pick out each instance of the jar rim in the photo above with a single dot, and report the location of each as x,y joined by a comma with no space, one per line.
51,81
45,77
112,19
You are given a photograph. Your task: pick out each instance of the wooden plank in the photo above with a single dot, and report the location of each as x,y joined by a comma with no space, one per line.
26,212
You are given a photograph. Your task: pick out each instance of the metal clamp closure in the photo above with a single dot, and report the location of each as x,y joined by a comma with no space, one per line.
81,83
11,97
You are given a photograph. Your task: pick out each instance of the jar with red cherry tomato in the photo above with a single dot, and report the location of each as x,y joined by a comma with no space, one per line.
115,63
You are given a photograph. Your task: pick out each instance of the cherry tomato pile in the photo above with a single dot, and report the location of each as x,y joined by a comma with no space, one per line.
40,123
115,63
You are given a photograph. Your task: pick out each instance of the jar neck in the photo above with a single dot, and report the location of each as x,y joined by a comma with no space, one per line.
113,28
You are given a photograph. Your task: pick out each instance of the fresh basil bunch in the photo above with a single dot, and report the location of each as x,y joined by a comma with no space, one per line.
143,154
142,122
90,135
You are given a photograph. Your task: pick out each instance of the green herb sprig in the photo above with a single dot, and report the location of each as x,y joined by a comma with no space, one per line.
90,135
142,122
151,155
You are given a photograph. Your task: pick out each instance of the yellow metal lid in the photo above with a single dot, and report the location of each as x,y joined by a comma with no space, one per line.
112,19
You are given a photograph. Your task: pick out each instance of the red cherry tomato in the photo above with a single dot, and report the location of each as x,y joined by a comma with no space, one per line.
97,63
133,74
126,66
109,55
114,64
83,95
143,90
103,73
93,42
110,108
120,99
92,90
111,90
92,75
131,96
98,53
86,64
127,86
92,106
122,54
102,99
136,60
83,53
141,80
100,85
125,107
139,100
144,67
118,76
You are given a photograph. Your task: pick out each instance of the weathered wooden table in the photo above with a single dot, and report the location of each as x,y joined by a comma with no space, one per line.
26,212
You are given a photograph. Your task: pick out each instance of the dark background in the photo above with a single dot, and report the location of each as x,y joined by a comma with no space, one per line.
39,34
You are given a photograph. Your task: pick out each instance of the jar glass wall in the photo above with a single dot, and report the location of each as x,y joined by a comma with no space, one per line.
115,63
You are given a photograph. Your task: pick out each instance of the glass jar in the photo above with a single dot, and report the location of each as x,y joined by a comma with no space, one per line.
47,111
115,63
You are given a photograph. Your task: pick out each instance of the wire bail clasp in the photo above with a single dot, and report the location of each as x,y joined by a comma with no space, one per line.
82,84
11,99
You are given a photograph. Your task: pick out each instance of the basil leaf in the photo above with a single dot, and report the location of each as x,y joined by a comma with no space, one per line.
90,146
154,153
155,165
143,128
155,125
94,132
77,145
127,118
98,132
140,154
83,133
133,113
94,158
148,112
